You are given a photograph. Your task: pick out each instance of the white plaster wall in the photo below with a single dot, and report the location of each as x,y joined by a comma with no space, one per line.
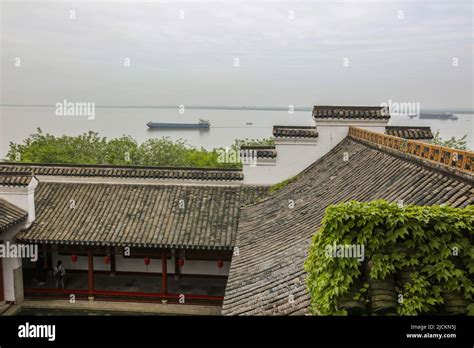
293,156
379,129
137,265
205,268
31,201
259,174
10,264
22,196
332,134
121,263
329,137
81,263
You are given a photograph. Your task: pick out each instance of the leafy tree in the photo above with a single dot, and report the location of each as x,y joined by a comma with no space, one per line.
87,148
90,148
164,152
122,151
460,144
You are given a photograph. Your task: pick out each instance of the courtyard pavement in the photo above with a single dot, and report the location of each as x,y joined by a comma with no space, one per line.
57,307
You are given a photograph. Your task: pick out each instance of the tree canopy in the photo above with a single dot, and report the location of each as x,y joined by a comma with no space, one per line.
90,148
460,144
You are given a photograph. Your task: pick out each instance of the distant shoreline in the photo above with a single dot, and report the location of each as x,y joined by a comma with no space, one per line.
237,108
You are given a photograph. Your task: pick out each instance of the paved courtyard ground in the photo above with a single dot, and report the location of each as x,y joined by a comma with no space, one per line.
56,307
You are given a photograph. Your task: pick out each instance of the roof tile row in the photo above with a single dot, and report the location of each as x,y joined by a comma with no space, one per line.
263,151
10,215
351,112
295,132
19,178
148,215
214,174
415,133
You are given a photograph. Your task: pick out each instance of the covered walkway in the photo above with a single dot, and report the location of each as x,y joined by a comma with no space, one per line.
127,287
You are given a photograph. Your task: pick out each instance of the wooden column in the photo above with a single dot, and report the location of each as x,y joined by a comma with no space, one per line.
164,277
176,264
112,261
2,296
90,259
49,257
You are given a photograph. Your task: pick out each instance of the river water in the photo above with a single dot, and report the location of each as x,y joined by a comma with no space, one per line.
16,123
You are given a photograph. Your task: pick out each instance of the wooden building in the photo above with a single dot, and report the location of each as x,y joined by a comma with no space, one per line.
153,221
220,223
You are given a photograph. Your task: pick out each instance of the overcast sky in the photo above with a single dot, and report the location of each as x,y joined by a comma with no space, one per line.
288,53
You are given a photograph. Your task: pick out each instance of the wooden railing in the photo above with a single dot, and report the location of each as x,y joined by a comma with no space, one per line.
452,158
133,296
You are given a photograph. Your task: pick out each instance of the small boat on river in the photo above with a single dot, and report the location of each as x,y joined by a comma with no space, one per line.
438,116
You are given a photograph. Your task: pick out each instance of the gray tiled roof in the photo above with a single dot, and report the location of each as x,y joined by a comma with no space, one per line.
10,215
261,151
187,216
350,112
215,174
20,178
409,132
295,132
273,239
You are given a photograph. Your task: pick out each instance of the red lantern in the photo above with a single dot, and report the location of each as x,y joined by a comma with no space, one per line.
146,260
107,259
220,263
73,258
181,262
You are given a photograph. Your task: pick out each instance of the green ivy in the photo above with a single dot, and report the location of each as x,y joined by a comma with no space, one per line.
432,244
282,184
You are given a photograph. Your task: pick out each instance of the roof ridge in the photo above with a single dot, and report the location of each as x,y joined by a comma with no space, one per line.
348,106
19,173
257,147
12,178
329,112
107,166
295,127
219,174
408,127
11,214
295,131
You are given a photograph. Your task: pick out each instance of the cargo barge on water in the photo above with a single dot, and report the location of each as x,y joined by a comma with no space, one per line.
202,124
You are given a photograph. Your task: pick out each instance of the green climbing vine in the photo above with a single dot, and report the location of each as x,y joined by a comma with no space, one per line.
283,184
426,251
